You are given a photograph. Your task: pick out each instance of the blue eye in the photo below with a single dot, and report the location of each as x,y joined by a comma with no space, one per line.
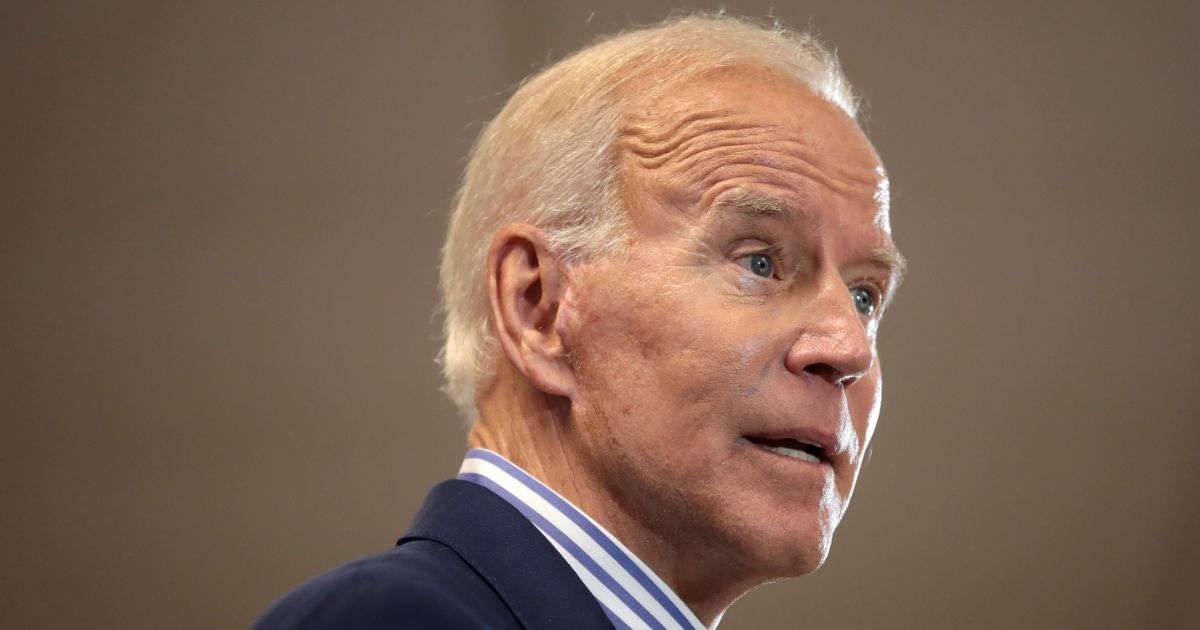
759,265
864,300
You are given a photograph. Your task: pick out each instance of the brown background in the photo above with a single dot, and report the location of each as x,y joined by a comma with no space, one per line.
219,247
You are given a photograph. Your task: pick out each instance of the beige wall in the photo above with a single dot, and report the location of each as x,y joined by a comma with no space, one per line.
218,260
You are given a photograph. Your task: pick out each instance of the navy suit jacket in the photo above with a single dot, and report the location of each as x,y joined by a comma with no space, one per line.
469,560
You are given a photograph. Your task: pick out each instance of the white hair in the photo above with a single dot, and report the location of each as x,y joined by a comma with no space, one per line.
548,158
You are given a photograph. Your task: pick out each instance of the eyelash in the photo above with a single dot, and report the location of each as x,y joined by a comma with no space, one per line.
772,251
775,253
877,290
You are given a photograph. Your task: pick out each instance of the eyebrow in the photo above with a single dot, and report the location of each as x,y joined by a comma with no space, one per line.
891,259
754,204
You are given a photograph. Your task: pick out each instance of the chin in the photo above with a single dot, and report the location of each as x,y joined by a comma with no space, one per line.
808,561
794,553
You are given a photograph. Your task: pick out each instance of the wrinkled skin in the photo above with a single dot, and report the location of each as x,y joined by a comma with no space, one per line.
740,312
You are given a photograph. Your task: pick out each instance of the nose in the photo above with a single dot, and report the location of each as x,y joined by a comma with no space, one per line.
832,341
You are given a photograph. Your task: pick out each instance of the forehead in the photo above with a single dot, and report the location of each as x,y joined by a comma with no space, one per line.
740,128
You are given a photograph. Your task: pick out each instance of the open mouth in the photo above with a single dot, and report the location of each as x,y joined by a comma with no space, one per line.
791,447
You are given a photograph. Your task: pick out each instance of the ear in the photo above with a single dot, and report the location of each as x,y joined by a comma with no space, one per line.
526,286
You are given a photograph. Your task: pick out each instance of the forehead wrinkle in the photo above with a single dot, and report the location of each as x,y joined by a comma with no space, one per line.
645,134
677,143
773,165
698,149
691,158
710,140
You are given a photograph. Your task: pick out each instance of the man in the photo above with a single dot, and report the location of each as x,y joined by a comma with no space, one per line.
663,281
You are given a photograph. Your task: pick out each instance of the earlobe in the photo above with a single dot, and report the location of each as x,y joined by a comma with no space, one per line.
526,286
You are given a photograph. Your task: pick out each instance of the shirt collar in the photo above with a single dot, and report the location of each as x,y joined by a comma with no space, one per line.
629,592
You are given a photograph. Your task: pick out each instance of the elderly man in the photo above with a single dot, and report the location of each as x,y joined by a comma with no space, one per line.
663,281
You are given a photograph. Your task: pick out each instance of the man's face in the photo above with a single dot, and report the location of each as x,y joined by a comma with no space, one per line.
728,382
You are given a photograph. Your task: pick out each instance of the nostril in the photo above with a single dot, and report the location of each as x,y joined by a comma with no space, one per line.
825,371
832,375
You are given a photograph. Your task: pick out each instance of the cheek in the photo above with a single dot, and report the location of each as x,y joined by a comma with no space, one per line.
611,336
631,316
864,401
872,412
623,329
645,349
674,348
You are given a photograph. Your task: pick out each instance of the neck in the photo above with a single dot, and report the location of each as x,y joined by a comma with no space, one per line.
526,427
537,433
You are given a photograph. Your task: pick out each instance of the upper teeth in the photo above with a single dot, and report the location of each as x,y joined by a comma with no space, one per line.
803,456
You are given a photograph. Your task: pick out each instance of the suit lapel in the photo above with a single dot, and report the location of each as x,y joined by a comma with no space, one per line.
510,553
